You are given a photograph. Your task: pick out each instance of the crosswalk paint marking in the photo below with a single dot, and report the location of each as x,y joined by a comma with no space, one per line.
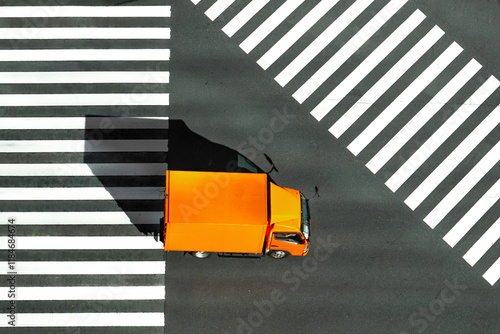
83,243
86,268
269,25
82,123
81,193
95,99
442,134
84,11
195,1
492,275
483,244
123,145
463,187
467,222
450,163
87,293
40,55
296,33
77,169
145,77
321,42
218,8
423,116
361,71
85,33
384,83
100,319
242,18
405,98
82,217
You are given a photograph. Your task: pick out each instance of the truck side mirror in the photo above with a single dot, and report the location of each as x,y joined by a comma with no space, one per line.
273,167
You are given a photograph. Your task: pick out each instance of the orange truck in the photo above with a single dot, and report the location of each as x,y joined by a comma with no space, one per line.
234,214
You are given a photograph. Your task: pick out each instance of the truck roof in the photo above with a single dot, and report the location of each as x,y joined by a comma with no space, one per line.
216,198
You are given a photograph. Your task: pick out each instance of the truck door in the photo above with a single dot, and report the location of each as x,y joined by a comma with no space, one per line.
287,241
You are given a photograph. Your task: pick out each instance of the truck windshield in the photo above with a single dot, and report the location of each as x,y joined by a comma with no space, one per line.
305,226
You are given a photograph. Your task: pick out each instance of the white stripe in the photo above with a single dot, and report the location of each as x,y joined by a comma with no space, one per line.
269,25
296,33
86,268
467,222
423,116
82,243
443,133
82,218
449,164
81,194
83,123
85,55
244,16
84,33
195,1
54,169
218,8
463,187
384,83
492,275
355,77
100,319
106,99
87,293
483,244
84,77
133,145
84,11
402,101
321,41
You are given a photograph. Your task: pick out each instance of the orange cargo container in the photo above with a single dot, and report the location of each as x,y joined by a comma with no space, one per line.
234,214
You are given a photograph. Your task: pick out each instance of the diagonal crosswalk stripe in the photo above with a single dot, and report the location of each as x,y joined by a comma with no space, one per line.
483,244
244,16
218,8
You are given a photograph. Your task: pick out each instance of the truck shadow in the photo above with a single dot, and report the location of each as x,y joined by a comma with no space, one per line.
129,157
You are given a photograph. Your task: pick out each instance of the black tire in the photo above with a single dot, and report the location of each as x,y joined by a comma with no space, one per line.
277,254
200,255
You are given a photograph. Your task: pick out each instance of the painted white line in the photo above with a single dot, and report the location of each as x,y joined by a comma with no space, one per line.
442,134
463,187
321,42
269,25
85,33
492,275
100,319
384,83
85,55
106,99
361,71
405,98
82,218
244,16
195,1
150,77
444,169
82,243
81,194
84,11
296,33
88,293
467,222
423,116
86,268
55,169
218,8
82,123
483,244
133,145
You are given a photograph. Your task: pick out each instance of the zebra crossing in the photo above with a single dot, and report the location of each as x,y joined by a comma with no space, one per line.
83,144
403,69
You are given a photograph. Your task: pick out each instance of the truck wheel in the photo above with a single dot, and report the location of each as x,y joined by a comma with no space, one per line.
200,255
277,254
